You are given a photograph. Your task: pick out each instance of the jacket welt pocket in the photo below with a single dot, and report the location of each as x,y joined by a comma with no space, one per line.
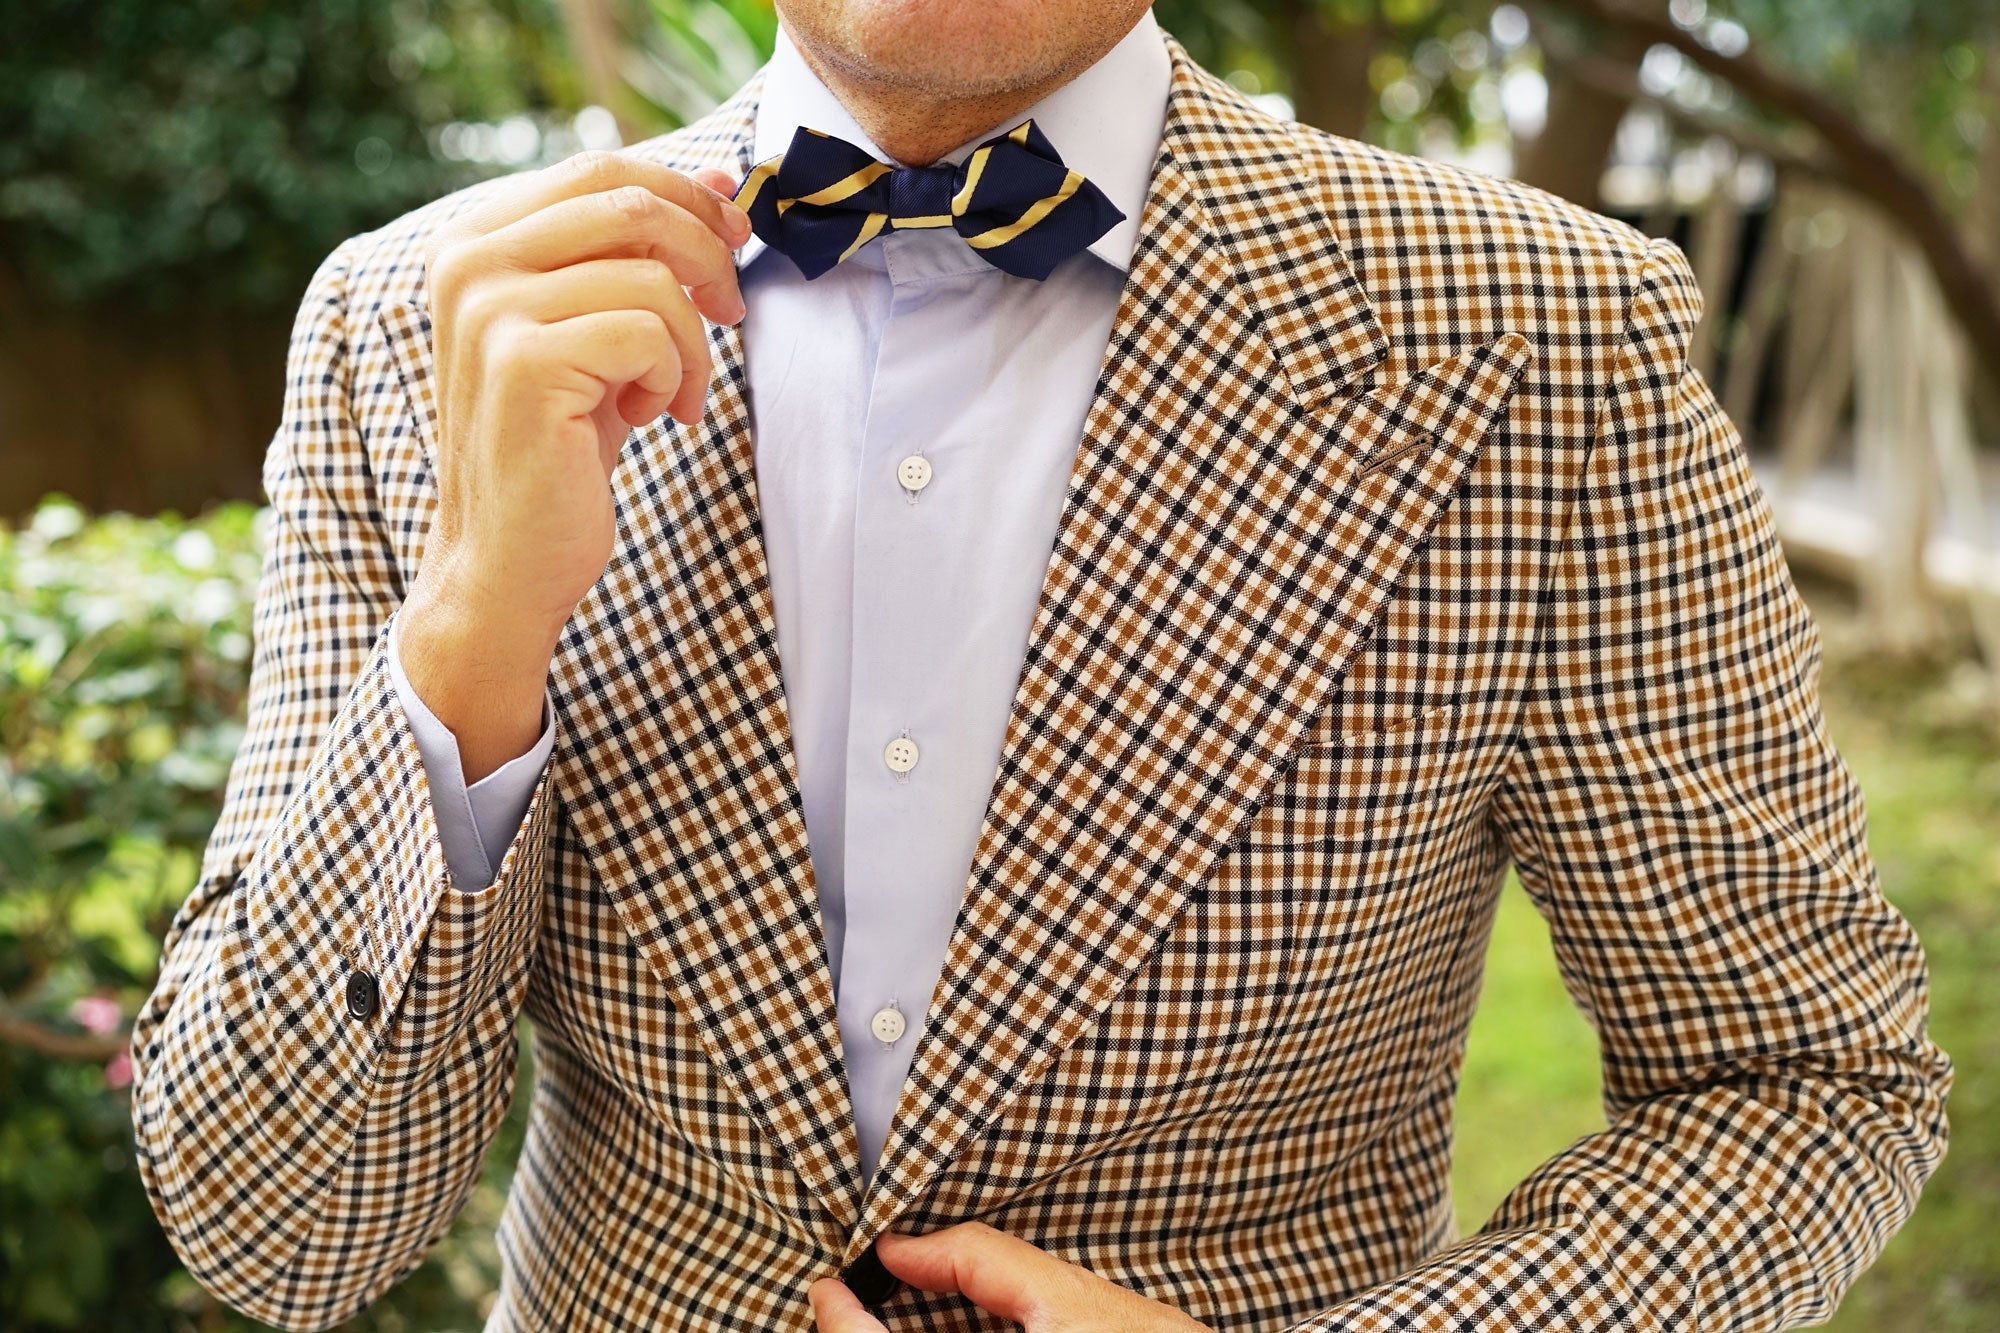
1348,787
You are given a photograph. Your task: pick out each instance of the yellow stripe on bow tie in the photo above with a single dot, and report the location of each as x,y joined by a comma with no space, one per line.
963,199
870,229
1040,209
759,176
850,184
977,166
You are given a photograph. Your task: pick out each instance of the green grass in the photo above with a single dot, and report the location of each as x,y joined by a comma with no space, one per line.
1929,764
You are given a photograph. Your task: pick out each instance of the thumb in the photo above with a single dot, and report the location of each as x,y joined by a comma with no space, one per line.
837,1310
999,1273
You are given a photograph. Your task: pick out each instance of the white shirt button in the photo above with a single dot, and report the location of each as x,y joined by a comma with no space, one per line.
914,472
900,754
887,1024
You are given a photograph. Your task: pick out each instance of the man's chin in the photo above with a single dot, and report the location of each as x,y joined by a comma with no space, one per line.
984,49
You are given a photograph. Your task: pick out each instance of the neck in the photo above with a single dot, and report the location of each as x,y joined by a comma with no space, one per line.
919,126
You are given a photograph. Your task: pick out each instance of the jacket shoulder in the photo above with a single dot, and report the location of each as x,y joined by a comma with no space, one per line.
1444,245
1380,184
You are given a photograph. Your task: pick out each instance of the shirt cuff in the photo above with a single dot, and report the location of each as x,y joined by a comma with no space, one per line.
475,824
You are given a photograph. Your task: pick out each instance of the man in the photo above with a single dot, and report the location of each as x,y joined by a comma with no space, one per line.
989,761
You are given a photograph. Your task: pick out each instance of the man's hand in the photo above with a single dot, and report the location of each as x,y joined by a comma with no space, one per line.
564,311
1002,1275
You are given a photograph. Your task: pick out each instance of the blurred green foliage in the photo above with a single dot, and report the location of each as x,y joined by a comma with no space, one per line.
211,152
689,55
124,653
124,658
1916,72
1432,63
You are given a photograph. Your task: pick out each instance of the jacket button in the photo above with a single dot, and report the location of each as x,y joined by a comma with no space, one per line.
870,1282
362,994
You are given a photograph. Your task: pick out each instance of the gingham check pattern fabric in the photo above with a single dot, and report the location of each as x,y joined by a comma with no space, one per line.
1401,543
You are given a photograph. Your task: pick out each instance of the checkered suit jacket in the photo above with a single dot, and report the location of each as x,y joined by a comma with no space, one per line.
1402,544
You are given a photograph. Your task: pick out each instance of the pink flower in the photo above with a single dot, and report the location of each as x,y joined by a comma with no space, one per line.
98,1013
118,1070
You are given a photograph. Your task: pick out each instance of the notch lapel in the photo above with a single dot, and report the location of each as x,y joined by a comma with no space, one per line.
1233,524
676,771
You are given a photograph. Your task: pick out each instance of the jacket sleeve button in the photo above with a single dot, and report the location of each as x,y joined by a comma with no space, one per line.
363,995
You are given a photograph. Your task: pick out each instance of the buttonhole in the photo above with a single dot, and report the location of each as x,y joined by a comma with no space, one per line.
1414,444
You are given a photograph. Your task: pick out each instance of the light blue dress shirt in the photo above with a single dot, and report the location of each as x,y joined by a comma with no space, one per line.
917,414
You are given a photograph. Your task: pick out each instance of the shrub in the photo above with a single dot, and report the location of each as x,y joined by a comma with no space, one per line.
209,152
124,657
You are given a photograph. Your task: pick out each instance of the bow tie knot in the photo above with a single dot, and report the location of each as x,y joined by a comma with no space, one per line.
1013,200
921,197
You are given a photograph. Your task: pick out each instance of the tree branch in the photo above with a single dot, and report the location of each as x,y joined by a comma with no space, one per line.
48,1041
1614,79
1868,166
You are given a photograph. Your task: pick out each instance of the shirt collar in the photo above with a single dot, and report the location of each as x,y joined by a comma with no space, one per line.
1106,123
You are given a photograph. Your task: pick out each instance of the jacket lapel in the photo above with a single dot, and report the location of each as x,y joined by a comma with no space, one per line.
1239,509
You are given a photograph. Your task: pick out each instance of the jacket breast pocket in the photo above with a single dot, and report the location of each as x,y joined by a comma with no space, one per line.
1346,788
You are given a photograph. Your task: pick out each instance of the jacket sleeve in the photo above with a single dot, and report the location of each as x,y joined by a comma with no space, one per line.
1680,818
303,1157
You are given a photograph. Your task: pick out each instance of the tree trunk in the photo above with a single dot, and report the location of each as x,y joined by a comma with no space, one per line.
1569,156
1985,233
1983,217
1817,371
1897,468
1716,246
1772,269
1870,166
1330,87
1940,354
594,41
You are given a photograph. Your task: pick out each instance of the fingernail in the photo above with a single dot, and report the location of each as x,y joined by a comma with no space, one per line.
739,223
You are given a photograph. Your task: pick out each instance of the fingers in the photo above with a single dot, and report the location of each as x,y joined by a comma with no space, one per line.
626,221
581,356
838,1310
622,284
598,172
722,182
642,209
1007,1276
725,296
999,1273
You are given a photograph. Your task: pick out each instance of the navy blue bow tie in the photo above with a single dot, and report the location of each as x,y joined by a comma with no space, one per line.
1013,201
